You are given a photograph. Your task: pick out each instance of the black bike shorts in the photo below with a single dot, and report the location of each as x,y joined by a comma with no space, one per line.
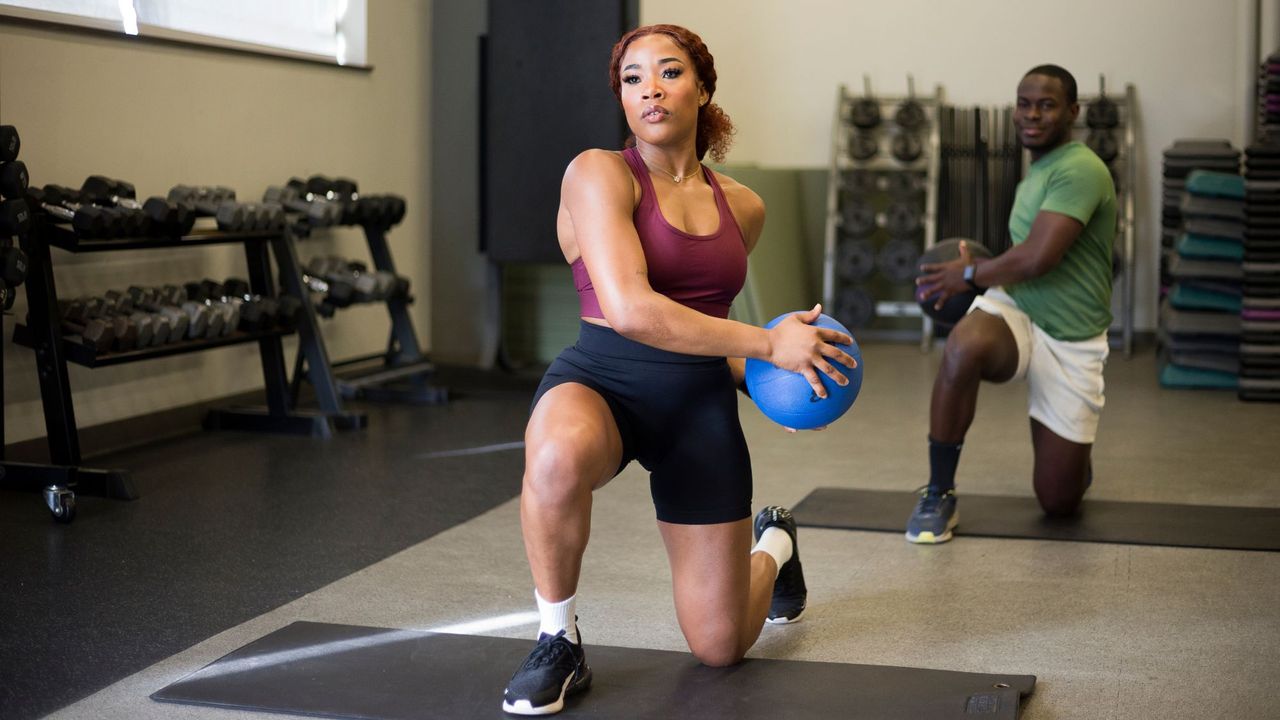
677,414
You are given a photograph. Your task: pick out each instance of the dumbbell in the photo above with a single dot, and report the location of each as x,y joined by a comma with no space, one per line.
118,221
153,329
13,266
317,212
400,289
87,221
205,199
336,270
94,332
339,287
383,281
10,143
343,191
256,312
129,222
214,295
196,316
140,330
166,218
204,319
13,179
15,217
396,209
370,211
151,300
125,331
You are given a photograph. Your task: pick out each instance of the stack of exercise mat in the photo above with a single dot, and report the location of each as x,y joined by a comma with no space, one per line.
1260,313
1269,96
1180,160
1200,316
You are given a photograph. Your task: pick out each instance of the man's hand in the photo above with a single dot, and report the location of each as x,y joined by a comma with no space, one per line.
942,280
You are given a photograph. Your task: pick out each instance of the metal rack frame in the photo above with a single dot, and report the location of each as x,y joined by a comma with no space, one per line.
841,161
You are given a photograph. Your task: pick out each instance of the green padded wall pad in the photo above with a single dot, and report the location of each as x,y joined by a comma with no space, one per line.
1130,523
347,671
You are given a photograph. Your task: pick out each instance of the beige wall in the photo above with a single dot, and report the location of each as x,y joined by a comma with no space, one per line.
779,64
158,115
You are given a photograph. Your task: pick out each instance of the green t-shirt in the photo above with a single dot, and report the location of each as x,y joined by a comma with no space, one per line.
1073,300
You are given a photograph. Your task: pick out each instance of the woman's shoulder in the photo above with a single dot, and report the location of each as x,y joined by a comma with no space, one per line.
597,163
741,198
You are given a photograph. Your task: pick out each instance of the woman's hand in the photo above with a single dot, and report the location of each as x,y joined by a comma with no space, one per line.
796,345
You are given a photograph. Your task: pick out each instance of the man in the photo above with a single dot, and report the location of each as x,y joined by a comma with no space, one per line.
1044,316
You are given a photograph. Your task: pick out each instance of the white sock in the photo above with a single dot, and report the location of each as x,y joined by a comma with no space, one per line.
777,543
559,616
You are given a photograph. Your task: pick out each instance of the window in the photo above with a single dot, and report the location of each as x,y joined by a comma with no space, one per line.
325,30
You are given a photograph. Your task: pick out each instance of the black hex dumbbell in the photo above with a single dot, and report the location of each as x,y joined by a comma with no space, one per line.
150,299
256,312
13,179
15,217
165,218
121,221
87,221
10,143
94,332
317,212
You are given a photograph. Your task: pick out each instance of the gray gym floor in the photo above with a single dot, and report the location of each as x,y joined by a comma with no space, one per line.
1111,631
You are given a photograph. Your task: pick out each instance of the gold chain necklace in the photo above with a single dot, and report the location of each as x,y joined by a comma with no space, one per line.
674,178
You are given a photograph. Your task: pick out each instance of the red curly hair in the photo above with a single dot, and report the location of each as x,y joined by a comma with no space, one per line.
715,129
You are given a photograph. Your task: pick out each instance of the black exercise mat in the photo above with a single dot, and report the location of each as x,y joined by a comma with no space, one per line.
1131,523
347,671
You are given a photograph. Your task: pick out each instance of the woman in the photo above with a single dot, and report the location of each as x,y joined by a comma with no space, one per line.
658,245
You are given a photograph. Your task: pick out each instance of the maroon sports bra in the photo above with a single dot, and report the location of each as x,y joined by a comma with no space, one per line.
703,272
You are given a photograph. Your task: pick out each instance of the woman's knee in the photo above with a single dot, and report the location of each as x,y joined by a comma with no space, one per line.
716,647
558,470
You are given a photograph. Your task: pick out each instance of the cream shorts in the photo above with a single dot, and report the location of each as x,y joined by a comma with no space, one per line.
1064,379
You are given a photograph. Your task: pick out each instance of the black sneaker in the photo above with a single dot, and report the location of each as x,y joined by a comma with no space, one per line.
789,591
557,667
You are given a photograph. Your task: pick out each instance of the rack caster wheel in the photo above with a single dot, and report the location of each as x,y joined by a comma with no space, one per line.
61,502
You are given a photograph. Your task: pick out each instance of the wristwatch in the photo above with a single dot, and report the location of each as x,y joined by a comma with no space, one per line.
969,270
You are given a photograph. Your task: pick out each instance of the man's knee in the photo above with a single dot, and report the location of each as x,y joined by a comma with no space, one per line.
976,345
1060,505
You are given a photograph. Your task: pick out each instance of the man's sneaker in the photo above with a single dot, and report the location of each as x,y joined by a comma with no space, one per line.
557,667
934,517
789,591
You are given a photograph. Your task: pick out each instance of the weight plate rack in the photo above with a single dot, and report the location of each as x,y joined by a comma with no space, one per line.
881,210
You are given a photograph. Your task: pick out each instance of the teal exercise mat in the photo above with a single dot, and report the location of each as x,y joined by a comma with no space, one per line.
1215,184
1208,247
349,671
1196,378
1189,297
1105,521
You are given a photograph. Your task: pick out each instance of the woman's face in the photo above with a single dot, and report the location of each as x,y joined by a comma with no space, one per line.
660,90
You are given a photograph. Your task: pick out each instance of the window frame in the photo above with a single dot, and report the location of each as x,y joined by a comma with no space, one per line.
115,28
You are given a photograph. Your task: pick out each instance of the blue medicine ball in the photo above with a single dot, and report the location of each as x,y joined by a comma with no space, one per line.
786,397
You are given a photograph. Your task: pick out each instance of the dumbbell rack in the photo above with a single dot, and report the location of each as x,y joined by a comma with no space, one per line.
403,360
1124,172
65,476
891,300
